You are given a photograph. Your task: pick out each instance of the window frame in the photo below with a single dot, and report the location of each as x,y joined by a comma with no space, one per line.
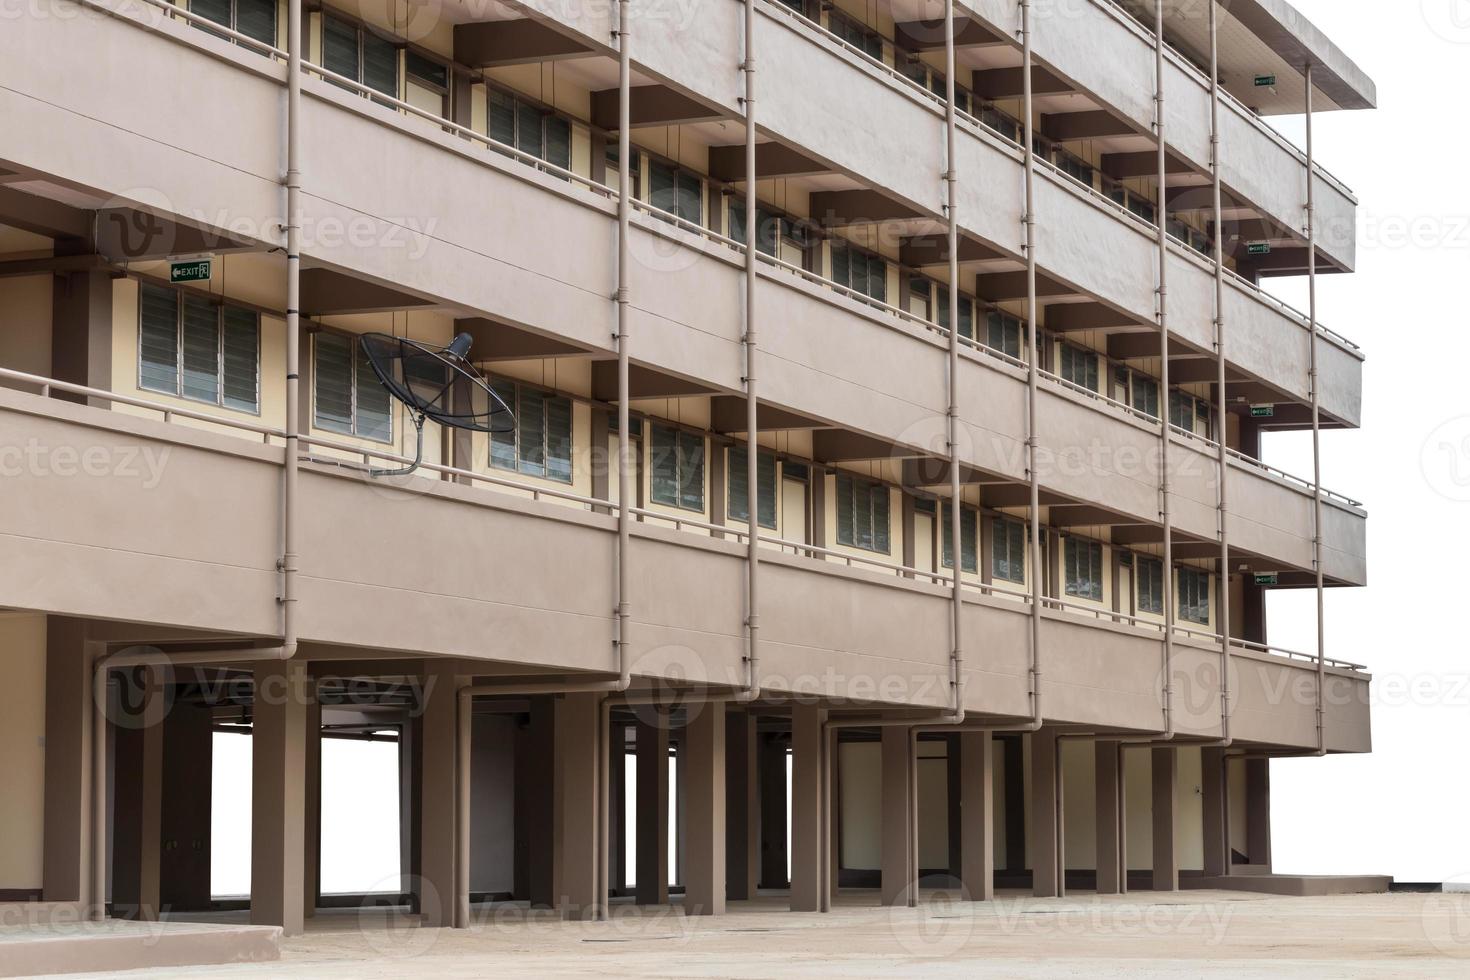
1198,590
519,389
967,512
999,523
353,346
1155,592
682,438
1094,550
870,488
219,306
731,468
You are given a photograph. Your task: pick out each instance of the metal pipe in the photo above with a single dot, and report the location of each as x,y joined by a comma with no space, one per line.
752,422
1221,401
951,176
1316,388
1033,367
291,472
1165,511
625,453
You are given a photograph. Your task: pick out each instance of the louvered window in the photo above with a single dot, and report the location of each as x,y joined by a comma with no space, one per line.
676,191
1145,395
967,311
859,271
347,395
769,227
1079,366
862,514
969,538
194,348
540,444
1150,575
361,55
1007,550
863,38
1181,410
1084,571
531,129
765,474
256,19
676,468
1194,596
1005,333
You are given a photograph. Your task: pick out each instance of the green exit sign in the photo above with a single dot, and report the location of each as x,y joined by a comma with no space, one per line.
1262,411
197,270
1268,578
1265,81
1257,248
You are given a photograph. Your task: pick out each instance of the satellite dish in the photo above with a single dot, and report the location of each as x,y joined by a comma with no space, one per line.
437,383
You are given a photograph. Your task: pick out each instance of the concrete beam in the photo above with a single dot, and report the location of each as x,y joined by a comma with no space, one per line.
492,341
1007,83
928,35
1071,317
705,810
326,291
1145,163
43,216
923,250
642,383
772,159
999,287
840,445
649,105
490,44
855,207
1092,124
727,415
1143,343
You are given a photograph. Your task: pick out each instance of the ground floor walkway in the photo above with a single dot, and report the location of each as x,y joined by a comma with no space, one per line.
1143,934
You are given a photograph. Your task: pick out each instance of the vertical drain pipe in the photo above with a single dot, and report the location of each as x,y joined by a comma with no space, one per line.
1033,367
752,422
1316,385
957,600
294,44
1165,513
625,454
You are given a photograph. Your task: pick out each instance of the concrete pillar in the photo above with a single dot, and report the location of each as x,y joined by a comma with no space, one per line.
807,754
651,885
1108,789
771,772
977,816
278,795
437,810
1258,811
81,331
1165,763
311,886
66,870
898,873
1015,808
1044,876
188,762
535,804
1214,800
704,823
410,733
136,713
577,852
742,814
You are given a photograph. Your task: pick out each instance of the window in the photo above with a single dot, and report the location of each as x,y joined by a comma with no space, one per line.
254,18
676,468
361,55
610,156
1134,202
769,227
1194,596
347,396
862,514
1007,550
541,444
969,538
1079,366
1005,333
868,41
428,83
531,129
1145,395
765,474
1150,575
967,311
920,294
859,271
1181,410
191,347
1084,571
676,191
1001,123
1074,167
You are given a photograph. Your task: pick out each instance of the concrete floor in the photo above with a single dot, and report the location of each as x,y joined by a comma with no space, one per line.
1197,933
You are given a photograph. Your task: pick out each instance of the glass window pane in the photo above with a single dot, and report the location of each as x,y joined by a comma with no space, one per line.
691,471
559,439
332,379
339,48
200,380
663,466
531,433
503,444
502,118
374,407
256,18
241,359
379,64
158,340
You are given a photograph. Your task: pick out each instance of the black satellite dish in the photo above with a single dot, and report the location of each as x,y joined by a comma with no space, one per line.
437,383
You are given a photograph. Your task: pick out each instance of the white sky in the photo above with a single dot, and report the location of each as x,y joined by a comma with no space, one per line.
1405,809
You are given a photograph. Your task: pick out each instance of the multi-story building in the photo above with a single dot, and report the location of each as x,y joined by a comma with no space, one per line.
195,233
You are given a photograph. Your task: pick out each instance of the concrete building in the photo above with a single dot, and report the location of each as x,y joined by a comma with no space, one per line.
203,205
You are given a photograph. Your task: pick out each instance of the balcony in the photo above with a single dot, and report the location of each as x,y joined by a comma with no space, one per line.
477,566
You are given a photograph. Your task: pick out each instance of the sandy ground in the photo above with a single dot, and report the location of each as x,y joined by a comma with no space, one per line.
1187,934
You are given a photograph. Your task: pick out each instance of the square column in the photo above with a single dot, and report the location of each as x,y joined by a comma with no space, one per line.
535,804
66,861
807,763
135,712
742,813
1214,796
439,731
704,798
1044,813
651,885
188,762
1258,811
1108,789
1165,764
771,771
898,874
278,795
312,888
977,816
578,719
